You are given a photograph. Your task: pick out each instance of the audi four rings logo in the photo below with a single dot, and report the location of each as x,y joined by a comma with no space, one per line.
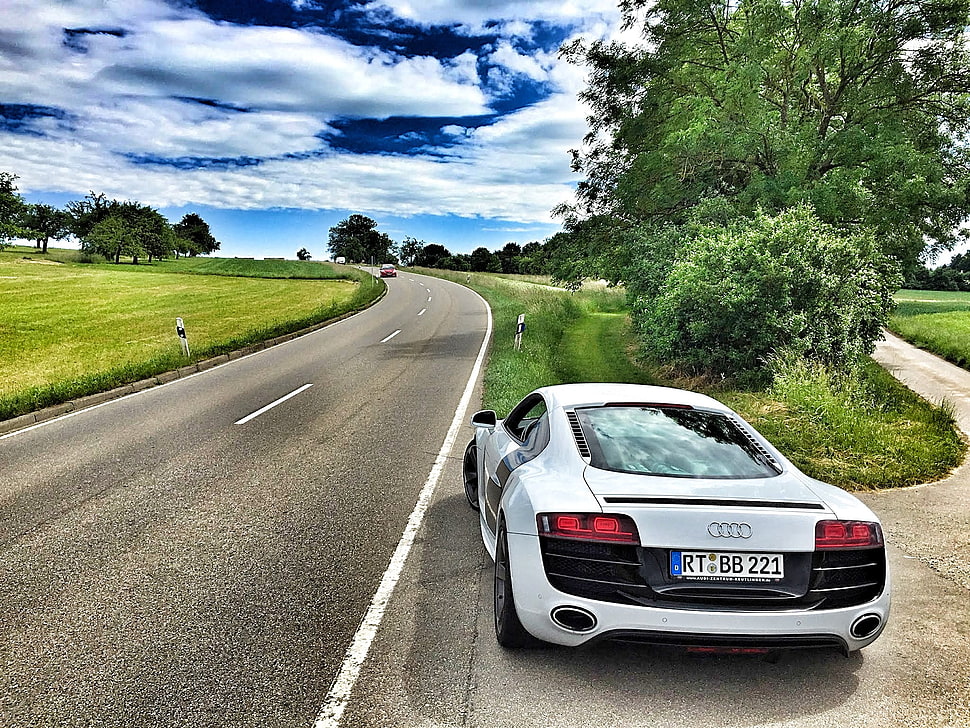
729,530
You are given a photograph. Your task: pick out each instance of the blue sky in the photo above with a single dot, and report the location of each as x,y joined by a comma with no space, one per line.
446,120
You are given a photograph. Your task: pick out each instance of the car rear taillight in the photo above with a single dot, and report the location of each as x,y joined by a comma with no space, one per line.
847,535
588,527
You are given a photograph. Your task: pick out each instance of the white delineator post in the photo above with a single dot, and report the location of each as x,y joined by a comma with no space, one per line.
180,330
519,328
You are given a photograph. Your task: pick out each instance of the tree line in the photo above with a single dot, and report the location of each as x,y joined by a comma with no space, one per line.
952,276
110,228
357,239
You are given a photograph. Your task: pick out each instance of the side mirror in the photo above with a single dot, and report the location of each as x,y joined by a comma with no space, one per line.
485,418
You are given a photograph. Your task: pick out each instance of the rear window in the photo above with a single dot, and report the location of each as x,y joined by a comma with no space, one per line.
672,442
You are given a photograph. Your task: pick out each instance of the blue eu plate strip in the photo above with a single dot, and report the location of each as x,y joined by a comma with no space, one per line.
675,566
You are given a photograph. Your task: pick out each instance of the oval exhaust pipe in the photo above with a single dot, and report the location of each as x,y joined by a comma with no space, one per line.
574,619
865,626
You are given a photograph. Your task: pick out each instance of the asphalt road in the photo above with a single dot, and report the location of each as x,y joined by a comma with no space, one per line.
164,564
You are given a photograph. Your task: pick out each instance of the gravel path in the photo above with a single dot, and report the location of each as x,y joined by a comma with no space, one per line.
929,522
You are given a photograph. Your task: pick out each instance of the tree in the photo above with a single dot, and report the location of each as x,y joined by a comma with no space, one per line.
45,222
303,254
534,258
157,236
357,238
509,257
485,260
11,209
113,237
430,255
458,262
87,213
734,112
856,108
194,236
410,249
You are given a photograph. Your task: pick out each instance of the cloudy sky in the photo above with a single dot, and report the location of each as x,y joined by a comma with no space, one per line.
446,120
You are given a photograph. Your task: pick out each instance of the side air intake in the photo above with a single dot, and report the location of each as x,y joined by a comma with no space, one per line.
757,445
578,434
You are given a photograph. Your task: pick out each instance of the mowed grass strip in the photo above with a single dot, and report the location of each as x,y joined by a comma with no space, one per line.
580,336
247,267
865,434
938,321
70,330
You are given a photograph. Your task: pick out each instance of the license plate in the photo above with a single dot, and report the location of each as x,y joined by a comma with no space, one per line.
724,566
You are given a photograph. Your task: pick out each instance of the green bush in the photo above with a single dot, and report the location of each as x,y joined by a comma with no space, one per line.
737,293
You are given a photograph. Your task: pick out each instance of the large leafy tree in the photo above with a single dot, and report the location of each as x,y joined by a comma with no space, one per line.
45,222
431,255
482,259
111,238
87,213
410,249
194,236
357,238
856,107
733,115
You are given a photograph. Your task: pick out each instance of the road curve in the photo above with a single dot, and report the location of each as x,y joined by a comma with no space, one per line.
170,559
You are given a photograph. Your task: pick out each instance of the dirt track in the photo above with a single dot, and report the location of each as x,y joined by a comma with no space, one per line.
930,522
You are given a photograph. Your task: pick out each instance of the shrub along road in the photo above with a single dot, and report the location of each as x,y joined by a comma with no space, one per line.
166,561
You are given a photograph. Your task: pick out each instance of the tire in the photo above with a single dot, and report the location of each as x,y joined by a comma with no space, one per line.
508,629
469,473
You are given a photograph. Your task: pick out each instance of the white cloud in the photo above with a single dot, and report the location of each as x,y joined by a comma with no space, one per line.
126,97
170,128
476,13
280,69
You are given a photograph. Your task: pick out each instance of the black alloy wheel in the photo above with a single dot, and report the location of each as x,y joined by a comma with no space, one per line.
508,629
469,472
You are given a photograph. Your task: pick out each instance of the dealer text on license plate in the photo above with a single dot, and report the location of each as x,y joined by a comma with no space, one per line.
732,566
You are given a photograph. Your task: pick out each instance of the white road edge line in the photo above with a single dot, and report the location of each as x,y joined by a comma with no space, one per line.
343,685
388,338
271,405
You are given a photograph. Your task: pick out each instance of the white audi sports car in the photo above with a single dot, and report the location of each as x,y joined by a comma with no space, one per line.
620,511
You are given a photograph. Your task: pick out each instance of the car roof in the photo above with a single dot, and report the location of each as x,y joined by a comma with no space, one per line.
570,396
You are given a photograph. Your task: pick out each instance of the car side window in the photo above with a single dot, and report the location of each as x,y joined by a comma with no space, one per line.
525,419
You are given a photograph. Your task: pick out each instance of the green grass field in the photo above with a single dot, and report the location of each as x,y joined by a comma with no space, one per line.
69,329
938,321
864,434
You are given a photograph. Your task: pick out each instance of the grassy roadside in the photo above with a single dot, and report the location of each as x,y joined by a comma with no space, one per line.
862,435
938,321
70,329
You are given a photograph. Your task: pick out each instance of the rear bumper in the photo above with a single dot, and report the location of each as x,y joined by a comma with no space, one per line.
536,599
